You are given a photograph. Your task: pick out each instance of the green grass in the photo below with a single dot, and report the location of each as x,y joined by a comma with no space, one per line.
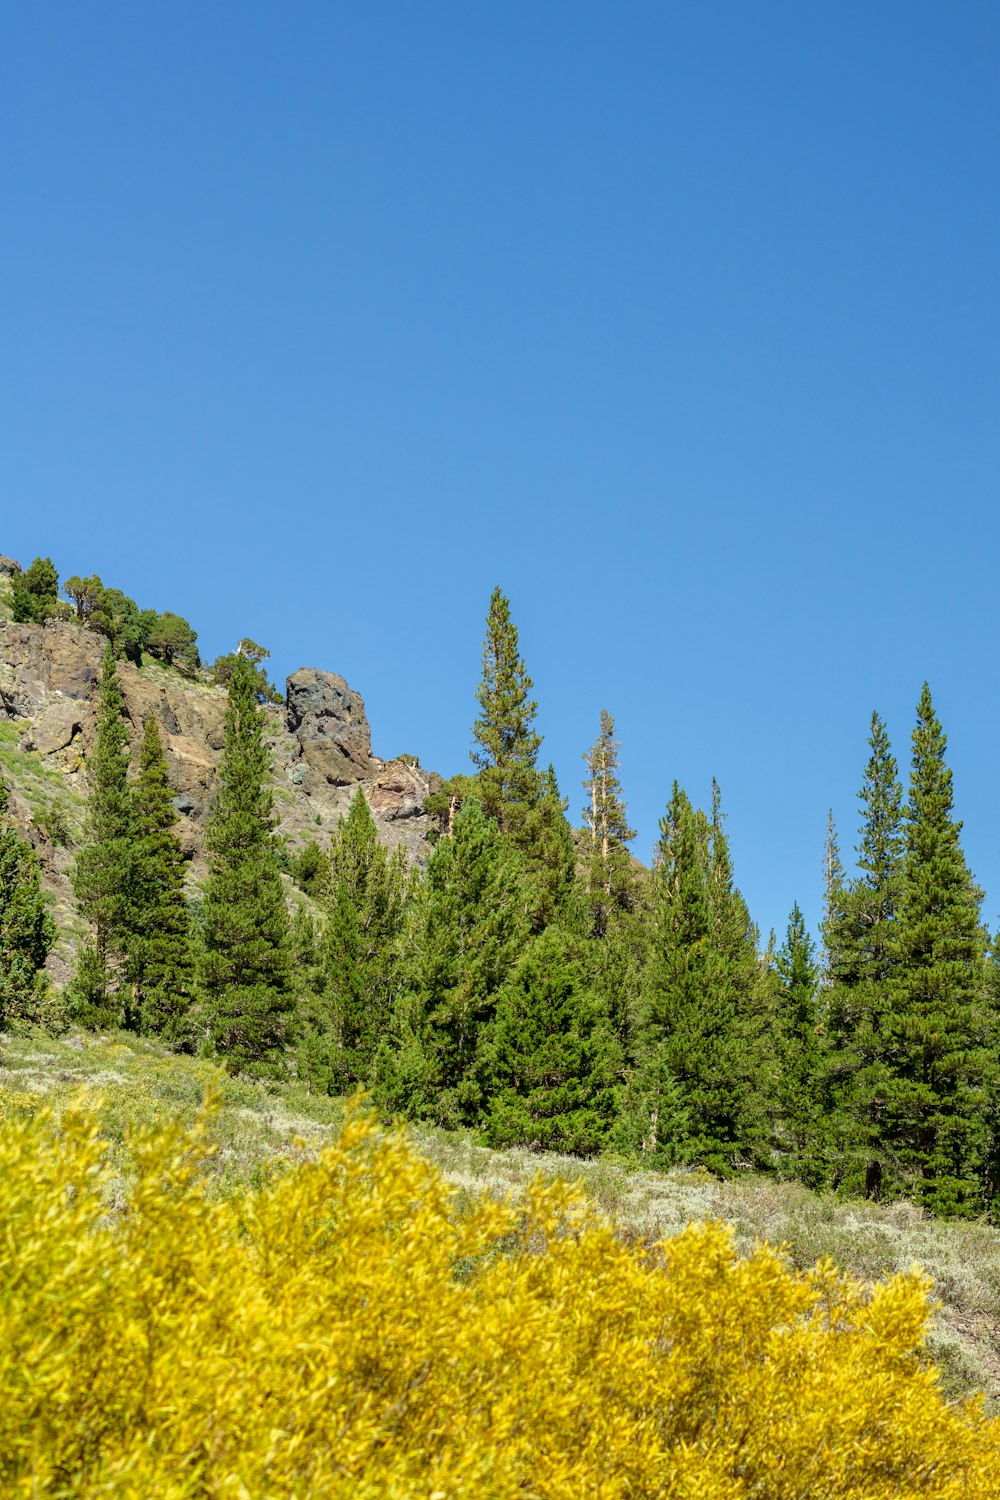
167,676
257,1130
46,789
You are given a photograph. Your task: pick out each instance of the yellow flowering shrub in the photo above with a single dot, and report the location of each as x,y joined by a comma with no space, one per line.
345,1331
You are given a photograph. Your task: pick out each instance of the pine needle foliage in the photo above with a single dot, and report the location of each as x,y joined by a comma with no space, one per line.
470,926
159,962
610,878
508,744
862,926
552,1056
104,873
365,901
705,1003
801,1048
27,931
245,970
944,1070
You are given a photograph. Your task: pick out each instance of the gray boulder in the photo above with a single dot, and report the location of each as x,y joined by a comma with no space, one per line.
330,726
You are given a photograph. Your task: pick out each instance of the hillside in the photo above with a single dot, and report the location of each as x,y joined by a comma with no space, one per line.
320,743
259,1130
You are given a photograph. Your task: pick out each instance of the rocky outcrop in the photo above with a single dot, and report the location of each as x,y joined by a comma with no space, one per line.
9,568
320,743
331,727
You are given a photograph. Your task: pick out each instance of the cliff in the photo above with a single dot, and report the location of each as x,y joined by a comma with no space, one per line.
320,742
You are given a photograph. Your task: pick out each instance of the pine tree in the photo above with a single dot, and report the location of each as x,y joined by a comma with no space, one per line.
365,899
509,783
704,1003
944,1069
552,1056
27,932
159,963
652,1121
89,998
550,853
245,974
860,996
833,885
34,594
610,879
470,925
104,873
801,1054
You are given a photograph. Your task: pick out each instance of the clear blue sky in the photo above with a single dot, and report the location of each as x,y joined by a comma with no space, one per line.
680,322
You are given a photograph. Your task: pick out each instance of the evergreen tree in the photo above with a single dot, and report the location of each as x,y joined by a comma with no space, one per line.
90,999
550,853
27,932
610,878
365,899
800,1053
509,783
173,641
159,945
305,942
34,595
470,925
652,1121
553,1058
704,1004
833,885
246,974
941,1024
104,873
860,997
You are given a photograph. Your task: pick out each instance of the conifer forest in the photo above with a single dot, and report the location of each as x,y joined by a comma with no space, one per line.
530,981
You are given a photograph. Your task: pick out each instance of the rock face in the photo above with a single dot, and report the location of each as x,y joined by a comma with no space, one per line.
320,745
330,724
9,568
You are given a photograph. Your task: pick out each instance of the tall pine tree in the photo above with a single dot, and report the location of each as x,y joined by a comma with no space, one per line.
27,932
245,976
801,1054
510,786
860,998
552,1057
104,873
705,1004
547,844
610,877
159,962
365,900
944,1067
833,884
470,925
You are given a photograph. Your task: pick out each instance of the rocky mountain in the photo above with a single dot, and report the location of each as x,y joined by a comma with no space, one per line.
320,742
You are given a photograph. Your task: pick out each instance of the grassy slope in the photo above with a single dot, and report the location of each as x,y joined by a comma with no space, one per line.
257,1129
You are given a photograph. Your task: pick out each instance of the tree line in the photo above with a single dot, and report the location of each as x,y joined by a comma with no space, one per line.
131,632
534,983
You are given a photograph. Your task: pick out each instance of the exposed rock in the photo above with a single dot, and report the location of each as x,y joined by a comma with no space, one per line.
56,726
9,568
398,791
331,727
43,660
320,745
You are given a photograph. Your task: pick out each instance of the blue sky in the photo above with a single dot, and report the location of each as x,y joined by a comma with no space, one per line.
679,322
